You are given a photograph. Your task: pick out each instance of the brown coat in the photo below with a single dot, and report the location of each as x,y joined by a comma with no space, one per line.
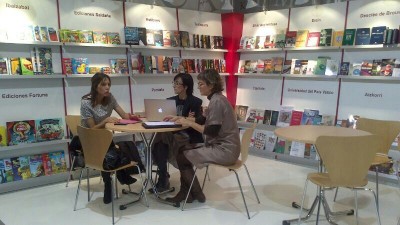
225,148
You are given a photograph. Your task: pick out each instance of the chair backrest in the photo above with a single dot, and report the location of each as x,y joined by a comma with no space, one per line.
95,144
244,146
73,121
387,130
347,159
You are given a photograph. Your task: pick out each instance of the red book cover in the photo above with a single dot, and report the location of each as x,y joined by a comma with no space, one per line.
291,38
296,118
66,66
313,39
46,164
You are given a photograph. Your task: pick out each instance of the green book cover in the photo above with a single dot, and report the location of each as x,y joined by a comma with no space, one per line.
326,37
348,37
26,66
321,66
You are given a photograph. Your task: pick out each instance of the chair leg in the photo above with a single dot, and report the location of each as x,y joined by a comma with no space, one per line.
319,202
356,204
241,191
112,196
377,187
302,201
205,176
397,174
190,189
77,190
376,204
337,190
70,171
116,188
252,185
88,184
143,192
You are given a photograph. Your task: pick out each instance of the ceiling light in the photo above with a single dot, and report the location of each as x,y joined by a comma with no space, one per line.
251,4
227,5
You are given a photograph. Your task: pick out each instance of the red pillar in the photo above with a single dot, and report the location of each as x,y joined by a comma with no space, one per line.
232,26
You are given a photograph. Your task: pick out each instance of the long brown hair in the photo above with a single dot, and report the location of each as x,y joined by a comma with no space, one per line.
96,80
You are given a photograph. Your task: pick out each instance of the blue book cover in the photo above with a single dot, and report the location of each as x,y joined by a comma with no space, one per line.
24,168
80,65
344,68
377,35
3,178
362,36
131,35
309,116
15,169
36,165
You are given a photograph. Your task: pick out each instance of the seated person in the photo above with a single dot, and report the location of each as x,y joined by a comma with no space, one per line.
167,144
96,109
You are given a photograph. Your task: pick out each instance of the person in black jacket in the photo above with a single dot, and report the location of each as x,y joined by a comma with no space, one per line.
167,144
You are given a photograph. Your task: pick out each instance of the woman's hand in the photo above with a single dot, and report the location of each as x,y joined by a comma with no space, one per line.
184,122
204,110
172,118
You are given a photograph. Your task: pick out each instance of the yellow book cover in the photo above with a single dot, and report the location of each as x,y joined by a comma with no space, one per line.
337,38
3,137
301,38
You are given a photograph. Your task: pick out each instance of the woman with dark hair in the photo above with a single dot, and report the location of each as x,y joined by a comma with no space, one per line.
221,137
96,109
167,144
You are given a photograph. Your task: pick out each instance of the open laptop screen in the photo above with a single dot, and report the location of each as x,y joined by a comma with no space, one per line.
158,109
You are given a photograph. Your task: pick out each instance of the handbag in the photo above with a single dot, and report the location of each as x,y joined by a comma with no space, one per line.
113,158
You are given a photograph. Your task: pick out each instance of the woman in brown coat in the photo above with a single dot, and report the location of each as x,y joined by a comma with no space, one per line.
221,137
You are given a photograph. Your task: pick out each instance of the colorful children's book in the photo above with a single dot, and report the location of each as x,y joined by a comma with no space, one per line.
46,162
15,66
175,39
49,129
58,163
15,169
99,37
19,132
8,170
387,67
167,38
291,38
36,165
3,136
4,66
45,60
53,36
26,66
3,178
66,66
123,66
185,39
24,167
113,38
44,34
80,66
86,36
74,36
36,34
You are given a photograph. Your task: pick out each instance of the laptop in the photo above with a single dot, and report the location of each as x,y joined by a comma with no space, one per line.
156,110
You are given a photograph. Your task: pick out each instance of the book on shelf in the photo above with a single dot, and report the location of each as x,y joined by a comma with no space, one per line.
267,66
15,165
250,42
267,117
274,117
320,68
3,136
301,38
241,112
295,66
277,65
113,38
259,139
166,38
36,165
99,37
131,35
3,178
363,36
44,60
395,36
185,39
36,34
80,65
15,66
196,41
242,43
297,149
134,62
348,37
303,66
313,39
366,68
26,66
311,67
49,129
396,68
269,41
285,115
24,168
44,34
376,67
287,66
309,116
290,38
94,69
4,66
46,162
175,39
280,145
64,35
296,118
355,69
53,36
142,36
280,40
58,163
377,35
387,36
328,120
270,141
332,67
74,36
66,66
337,38
158,38
387,67
326,37
106,70
310,152
344,68
259,42
317,120
8,170
86,36
19,132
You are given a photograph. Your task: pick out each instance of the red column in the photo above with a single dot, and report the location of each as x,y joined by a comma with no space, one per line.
232,26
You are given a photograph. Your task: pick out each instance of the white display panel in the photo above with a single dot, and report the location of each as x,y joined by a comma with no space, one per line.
78,87
371,100
17,13
315,18
92,15
265,23
311,94
196,22
261,93
25,99
371,13
150,17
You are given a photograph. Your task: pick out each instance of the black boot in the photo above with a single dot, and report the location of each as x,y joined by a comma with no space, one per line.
196,191
181,195
124,178
107,187
162,183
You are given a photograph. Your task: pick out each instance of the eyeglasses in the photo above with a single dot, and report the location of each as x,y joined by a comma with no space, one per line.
174,83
